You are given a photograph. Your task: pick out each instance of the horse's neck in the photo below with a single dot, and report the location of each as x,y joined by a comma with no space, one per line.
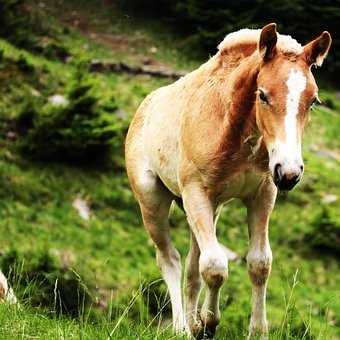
240,121
241,139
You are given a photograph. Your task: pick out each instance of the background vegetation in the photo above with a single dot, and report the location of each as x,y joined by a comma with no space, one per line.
62,130
203,23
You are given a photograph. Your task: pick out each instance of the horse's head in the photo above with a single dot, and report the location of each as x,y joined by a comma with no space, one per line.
286,90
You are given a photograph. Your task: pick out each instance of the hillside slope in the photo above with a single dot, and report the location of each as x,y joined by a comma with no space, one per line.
98,278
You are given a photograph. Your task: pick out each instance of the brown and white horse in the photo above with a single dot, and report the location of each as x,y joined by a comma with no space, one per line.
230,129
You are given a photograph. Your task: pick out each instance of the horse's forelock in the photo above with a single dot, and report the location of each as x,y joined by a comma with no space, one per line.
245,37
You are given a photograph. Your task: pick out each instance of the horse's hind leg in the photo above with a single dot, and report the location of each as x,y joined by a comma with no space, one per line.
193,287
155,200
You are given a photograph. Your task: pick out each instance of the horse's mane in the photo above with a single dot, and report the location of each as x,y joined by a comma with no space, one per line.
250,38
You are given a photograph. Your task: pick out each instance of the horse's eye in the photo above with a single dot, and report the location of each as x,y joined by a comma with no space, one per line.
263,97
315,101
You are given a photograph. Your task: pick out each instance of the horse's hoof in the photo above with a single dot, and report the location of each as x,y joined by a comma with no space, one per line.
196,330
201,331
209,334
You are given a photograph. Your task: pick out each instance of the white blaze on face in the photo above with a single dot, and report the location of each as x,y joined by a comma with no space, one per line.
296,84
287,152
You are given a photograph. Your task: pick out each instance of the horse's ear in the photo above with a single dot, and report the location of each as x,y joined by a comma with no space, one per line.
316,51
268,40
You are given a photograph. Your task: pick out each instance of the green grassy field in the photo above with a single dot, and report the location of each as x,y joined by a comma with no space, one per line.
98,279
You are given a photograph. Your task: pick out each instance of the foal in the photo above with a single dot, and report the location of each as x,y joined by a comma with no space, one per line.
230,129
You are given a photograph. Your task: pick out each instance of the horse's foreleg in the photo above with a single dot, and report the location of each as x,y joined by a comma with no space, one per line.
213,262
259,258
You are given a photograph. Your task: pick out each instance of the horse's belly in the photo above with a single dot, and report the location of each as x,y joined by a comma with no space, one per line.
168,175
165,164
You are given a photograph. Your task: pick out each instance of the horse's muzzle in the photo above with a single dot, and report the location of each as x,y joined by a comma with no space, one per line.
286,180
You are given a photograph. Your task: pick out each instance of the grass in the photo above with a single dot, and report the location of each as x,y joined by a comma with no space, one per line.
50,252
117,324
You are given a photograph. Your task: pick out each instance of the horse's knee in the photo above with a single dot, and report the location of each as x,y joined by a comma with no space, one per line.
213,266
259,265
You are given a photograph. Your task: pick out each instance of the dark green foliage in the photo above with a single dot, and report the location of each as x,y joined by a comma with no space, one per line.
52,49
23,65
324,234
23,26
207,22
42,279
27,116
16,22
81,130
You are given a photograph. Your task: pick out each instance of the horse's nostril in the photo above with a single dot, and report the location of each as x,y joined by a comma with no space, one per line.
301,168
277,172
277,166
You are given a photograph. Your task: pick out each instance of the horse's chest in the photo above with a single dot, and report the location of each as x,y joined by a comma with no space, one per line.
239,185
